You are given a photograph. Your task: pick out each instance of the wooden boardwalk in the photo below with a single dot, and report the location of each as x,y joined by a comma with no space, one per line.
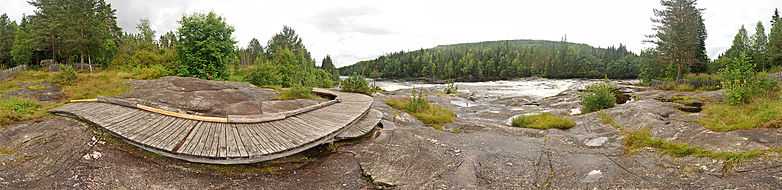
225,142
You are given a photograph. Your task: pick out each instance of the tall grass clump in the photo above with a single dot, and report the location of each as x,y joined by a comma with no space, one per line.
297,92
419,106
543,121
597,97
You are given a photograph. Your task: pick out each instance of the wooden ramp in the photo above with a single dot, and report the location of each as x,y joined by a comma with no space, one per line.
224,142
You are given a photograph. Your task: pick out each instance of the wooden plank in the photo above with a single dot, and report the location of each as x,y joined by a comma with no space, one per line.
209,145
299,131
278,136
192,139
114,126
156,128
139,131
119,117
230,138
248,140
156,140
196,146
170,133
177,134
223,145
247,145
270,145
262,144
126,129
300,122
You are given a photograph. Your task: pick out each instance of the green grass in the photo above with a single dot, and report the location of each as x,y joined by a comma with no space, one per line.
433,115
641,138
762,112
635,140
92,85
543,121
15,109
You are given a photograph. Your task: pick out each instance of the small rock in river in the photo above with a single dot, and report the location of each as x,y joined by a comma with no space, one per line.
596,142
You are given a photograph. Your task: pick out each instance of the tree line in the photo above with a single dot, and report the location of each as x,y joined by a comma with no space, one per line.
499,60
86,31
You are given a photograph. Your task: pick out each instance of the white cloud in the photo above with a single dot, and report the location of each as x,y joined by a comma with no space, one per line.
353,30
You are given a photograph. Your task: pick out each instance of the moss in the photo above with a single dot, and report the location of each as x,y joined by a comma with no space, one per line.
543,121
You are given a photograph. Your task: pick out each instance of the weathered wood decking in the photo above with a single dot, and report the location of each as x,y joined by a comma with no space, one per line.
213,142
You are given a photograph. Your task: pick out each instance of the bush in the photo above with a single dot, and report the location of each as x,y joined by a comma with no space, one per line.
288,75
741,83
205,46
66,76
356,84
543,121
597,97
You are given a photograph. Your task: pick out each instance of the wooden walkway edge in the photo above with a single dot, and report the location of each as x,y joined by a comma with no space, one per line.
227,142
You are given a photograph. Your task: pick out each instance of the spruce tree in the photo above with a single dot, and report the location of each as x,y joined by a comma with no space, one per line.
328,65
775,41
741,44
759,45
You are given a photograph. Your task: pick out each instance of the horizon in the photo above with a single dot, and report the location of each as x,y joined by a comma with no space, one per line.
353,31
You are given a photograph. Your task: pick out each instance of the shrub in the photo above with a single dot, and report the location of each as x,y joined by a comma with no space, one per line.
597,97
288,75
205,46
741,82
543,121
297,92
66,76
356,83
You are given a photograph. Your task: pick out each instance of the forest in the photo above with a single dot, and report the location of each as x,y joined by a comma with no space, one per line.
500,60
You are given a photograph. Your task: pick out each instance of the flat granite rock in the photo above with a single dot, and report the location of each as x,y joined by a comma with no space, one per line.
210,98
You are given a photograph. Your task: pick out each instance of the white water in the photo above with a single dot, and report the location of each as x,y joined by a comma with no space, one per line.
531,87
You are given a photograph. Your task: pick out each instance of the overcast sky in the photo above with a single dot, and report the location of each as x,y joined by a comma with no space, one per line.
354,30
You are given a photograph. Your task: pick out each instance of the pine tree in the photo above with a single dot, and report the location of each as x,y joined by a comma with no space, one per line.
775,41
680,35
759,45
288,39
